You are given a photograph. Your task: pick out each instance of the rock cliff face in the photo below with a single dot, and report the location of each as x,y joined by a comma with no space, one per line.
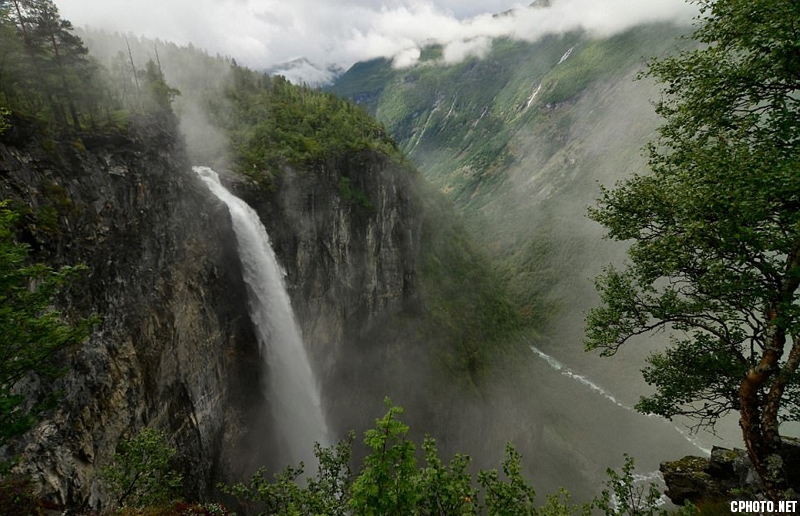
175,348
348,234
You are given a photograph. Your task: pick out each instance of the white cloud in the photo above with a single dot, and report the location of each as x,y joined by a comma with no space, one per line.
262,33
458,50
406,58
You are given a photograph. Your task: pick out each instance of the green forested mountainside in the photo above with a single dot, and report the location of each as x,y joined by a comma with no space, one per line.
273,123
517,140
471,111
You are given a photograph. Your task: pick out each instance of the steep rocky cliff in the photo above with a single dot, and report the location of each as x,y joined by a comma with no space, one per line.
348,233
175,348
392,297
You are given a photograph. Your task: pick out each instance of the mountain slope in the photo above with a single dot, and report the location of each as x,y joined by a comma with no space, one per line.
517,140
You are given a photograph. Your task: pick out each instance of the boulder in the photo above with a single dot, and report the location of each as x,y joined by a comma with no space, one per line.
725,475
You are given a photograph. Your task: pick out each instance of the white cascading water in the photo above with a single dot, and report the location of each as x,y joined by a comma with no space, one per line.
292,388
558,366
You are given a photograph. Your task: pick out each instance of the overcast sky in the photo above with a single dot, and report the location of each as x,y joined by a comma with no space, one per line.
262,33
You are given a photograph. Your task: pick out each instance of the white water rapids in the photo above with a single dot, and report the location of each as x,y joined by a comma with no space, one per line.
291,387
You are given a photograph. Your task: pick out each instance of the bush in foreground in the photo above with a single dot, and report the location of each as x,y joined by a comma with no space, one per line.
391,482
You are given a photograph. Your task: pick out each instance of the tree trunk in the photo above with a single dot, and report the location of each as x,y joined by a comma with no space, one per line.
760,433
762,389
76,123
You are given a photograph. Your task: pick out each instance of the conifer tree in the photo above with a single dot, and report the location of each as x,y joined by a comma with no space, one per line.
58,65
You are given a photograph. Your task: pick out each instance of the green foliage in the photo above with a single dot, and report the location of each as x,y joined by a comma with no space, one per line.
179,508
326,493
160,94
274,123
717,218
4,123
351,194
510,496
468,310
715,230
46,74
141,473
30,330
623,496
445,488
47,71
387,483
17,497
390,482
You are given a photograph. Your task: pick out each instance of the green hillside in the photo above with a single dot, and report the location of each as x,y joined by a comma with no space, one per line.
469,113
519,139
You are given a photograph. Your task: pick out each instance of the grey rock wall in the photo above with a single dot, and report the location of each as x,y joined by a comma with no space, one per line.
175,348
348,234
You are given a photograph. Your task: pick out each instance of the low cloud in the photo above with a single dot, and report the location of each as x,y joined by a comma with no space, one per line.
407,58
457,51
263,33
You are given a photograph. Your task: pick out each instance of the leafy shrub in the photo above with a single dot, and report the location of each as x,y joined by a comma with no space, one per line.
180,508
352,194
327,493
141,474
390,482
30,331
17,497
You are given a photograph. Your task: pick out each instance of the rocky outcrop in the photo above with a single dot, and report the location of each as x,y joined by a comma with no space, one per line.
175,348
725,475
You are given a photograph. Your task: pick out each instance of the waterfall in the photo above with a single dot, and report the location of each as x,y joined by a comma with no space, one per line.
291,387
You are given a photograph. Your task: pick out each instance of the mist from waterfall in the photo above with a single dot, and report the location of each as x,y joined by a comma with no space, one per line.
290,386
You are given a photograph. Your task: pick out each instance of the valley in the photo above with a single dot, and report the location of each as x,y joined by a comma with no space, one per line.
262,264
520,142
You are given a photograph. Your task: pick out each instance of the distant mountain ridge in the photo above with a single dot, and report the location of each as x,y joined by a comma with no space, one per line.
472,112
